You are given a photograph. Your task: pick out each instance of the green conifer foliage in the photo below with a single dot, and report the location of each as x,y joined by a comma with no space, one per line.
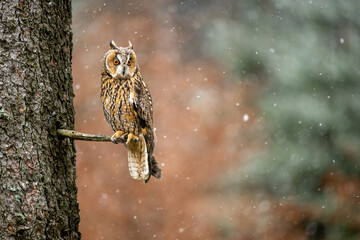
307,56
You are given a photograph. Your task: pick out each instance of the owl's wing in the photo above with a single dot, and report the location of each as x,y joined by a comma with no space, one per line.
143,104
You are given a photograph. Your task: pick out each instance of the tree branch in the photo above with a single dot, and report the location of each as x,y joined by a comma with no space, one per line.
87,137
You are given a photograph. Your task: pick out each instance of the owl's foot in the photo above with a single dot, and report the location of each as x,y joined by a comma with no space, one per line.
117,134
131,137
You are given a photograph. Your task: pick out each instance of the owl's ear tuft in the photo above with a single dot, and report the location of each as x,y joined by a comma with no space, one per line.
112,45
131,46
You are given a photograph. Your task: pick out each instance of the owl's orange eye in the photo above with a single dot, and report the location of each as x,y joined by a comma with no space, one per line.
129,63
116,62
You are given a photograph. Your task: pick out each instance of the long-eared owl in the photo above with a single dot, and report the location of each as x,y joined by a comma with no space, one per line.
128,108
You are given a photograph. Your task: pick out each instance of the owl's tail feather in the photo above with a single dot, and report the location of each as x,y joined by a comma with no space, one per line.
138,159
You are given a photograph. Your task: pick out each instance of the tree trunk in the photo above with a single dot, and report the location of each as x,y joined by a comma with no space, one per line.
37,175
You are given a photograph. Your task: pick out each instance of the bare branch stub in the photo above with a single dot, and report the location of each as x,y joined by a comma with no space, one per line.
86,137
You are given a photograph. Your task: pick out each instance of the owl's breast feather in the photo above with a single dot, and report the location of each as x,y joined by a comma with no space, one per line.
131,98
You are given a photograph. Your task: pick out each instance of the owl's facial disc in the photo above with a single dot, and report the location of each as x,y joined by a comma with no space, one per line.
121,63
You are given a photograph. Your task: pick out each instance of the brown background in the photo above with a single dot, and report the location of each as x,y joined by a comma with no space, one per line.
199,109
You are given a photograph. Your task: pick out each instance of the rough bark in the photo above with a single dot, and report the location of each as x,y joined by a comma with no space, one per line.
37,175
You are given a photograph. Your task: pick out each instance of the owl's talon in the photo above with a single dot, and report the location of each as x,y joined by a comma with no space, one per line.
116,135
113,140
131,137
123,137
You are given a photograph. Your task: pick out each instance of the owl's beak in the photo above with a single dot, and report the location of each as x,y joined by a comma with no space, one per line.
123,71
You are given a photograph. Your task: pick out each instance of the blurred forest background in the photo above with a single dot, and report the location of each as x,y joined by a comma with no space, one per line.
257,115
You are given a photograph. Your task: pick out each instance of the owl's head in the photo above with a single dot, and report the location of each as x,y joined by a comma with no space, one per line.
120,62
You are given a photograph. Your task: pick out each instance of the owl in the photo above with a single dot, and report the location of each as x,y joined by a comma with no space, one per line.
128,109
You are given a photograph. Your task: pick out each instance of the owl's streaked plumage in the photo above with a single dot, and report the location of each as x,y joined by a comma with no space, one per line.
127,106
